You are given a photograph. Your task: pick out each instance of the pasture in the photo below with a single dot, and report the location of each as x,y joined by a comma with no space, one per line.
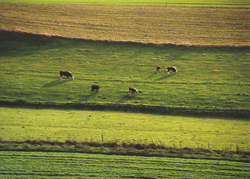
207,79
20,124
72,165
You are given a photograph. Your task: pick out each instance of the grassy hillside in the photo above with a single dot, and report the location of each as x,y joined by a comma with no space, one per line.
161,25
208,78
70,165
192,3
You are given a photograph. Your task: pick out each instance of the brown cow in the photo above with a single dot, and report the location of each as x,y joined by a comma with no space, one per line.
66,73
172,69
158,69
132,90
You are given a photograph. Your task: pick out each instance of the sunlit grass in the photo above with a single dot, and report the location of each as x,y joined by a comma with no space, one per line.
161,25
21,124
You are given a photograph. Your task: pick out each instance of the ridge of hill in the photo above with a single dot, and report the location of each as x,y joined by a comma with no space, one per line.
158,25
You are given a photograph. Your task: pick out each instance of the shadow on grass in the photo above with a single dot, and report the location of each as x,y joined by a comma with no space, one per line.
153,74
165,76
87,96
127,97
55,83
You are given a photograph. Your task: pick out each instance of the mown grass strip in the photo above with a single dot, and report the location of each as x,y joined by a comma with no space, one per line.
160,25
75,165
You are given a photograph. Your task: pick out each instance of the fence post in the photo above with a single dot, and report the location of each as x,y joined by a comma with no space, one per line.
237,148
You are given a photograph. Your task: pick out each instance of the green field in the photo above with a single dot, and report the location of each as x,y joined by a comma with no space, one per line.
70,165
192,3
208,78
20,124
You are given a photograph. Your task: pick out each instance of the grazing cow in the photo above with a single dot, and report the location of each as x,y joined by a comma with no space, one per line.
132,90
95,88
172,69
158,69
66,73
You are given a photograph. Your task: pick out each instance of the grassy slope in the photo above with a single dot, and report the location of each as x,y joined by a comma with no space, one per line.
192,3
171,25
43,165
60,125
208,78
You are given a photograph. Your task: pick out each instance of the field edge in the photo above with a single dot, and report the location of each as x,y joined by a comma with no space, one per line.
126,149
161,45
242,114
